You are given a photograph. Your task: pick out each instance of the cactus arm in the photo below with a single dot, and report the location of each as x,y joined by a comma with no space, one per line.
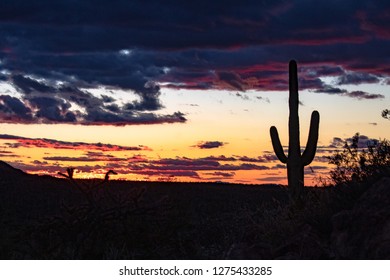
277,145
311,146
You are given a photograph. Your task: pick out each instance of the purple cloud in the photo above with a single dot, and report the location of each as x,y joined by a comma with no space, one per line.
56,144
364,95
209,145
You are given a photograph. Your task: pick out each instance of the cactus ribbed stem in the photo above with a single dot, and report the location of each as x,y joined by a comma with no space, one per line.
295,160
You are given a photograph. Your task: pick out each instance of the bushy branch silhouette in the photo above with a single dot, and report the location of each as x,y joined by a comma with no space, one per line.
386,114
358,164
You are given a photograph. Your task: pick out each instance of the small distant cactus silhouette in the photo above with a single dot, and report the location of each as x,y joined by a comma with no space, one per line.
295,160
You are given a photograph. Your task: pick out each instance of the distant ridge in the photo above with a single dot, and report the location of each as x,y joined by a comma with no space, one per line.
7,171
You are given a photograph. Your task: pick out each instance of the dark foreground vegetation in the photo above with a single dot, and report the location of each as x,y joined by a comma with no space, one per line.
348,217
50,218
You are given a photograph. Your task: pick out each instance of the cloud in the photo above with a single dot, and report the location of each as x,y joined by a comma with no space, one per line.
364,141
45,97
242,96
56,144
364,95
12,108
8,154
232,80
138,165
374,21
219,174
263,158
220,158
67,104
209,25
38,167
28,85
266,157
275,179
56,56
88,158
321,158
209,144
194,164
314,71
97,160
265,99
167,173
331,90
315,169
360,95
185,163
338,143
356,78
279,166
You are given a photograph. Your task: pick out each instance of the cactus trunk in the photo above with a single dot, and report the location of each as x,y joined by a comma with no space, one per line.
295,160
294,164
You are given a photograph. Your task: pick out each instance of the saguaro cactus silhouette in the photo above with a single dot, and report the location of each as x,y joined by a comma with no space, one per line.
295,160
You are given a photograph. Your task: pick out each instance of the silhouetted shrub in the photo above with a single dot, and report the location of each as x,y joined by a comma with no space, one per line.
386,114
357,164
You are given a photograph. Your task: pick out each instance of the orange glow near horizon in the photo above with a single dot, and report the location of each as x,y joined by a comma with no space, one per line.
171,152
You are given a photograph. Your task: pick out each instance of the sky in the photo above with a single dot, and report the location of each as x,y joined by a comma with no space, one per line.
187,90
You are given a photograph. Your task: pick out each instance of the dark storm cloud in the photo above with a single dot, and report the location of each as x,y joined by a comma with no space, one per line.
42,72
322,70
60,49
52,109
12,108
167,25
28,85
58,109
107,99
357,78
231,79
